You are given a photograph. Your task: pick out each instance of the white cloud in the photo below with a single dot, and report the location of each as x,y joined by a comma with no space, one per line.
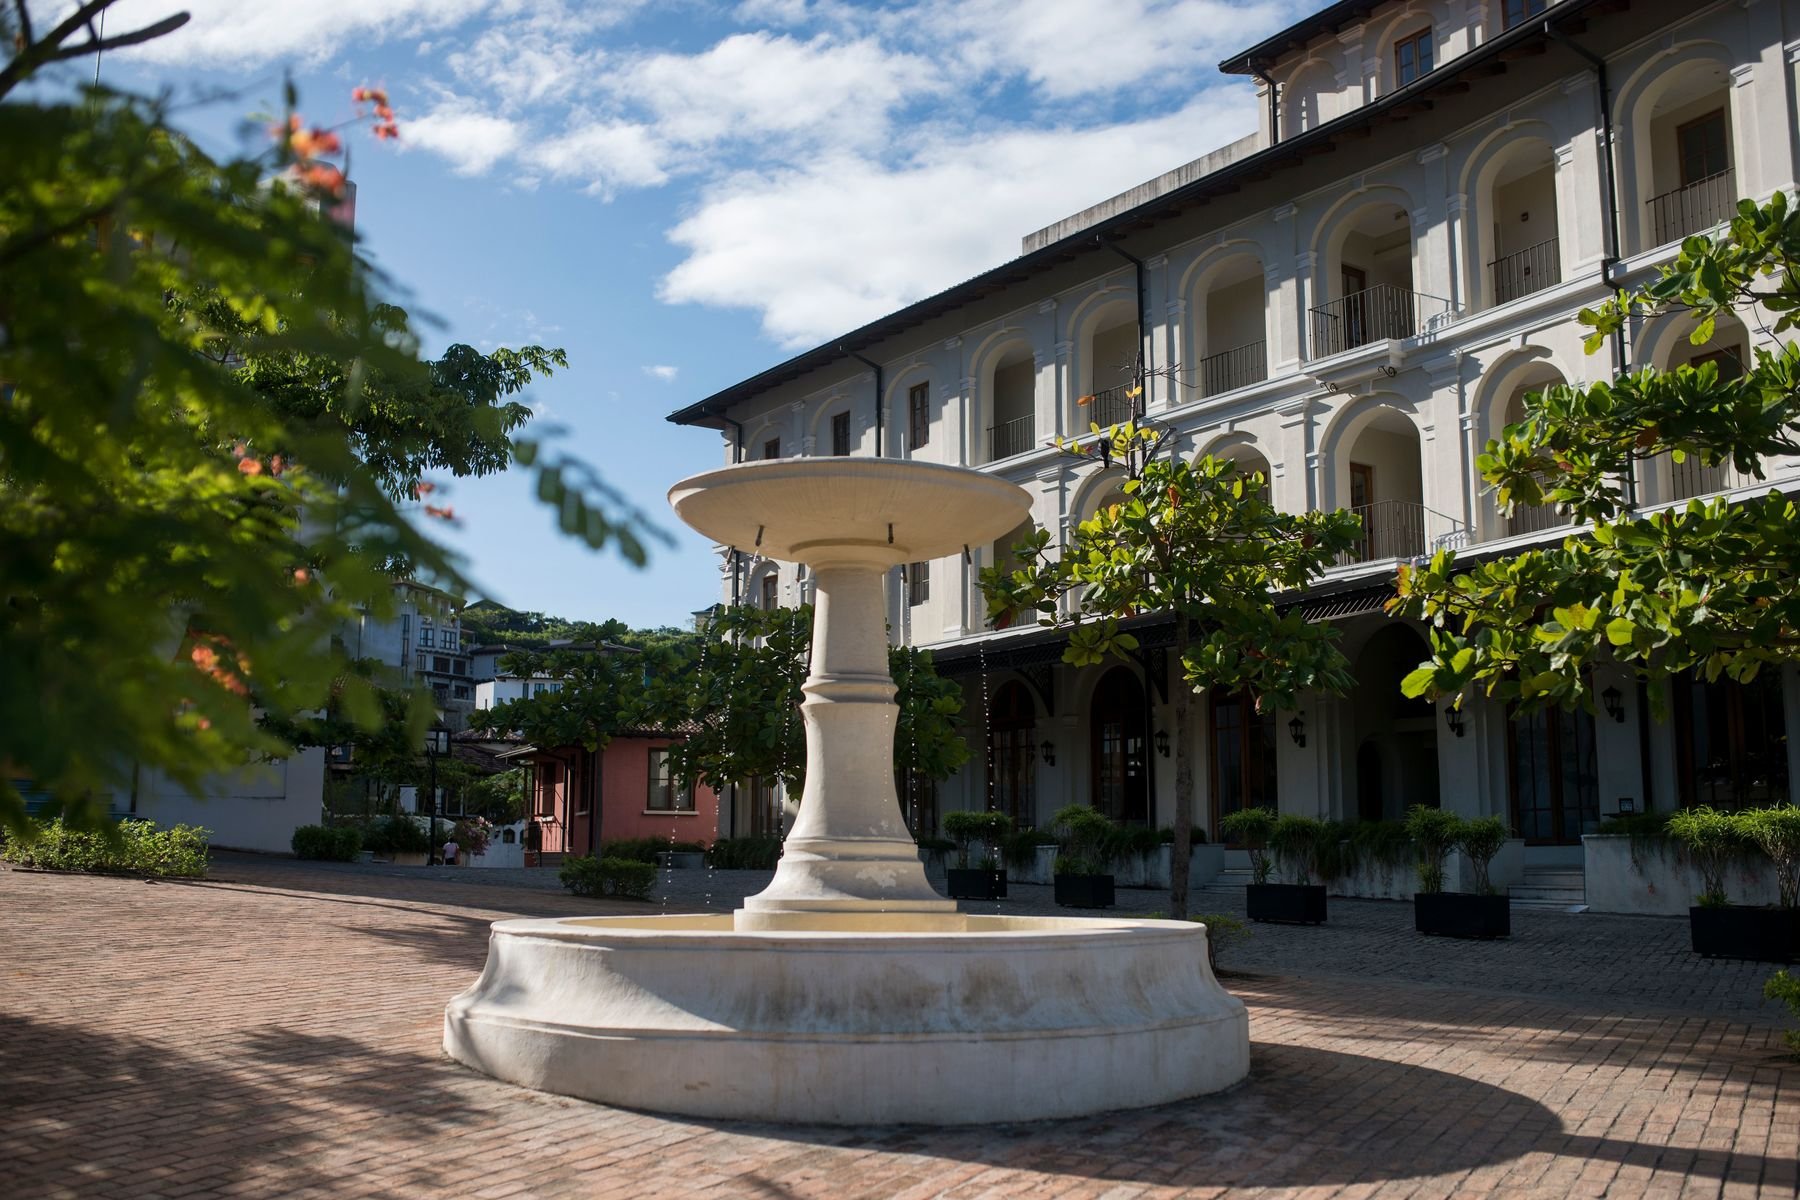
472,141
232,32
605,154
822,248
665,374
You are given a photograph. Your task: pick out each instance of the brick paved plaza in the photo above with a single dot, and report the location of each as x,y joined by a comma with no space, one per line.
275,1032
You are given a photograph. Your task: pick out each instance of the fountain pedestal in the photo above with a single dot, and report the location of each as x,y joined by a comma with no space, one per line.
848,991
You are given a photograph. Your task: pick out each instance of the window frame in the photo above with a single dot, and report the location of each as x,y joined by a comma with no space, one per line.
1414,41
1527,9
769,592
918,583
660,784
772,448
1682,131
918,415
840,434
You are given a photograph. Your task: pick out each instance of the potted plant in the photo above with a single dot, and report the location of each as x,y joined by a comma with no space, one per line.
1711,839
1293,843
1483,913
1081,878
1433,833
1251,827
986,880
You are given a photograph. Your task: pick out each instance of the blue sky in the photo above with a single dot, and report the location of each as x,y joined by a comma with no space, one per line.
681,194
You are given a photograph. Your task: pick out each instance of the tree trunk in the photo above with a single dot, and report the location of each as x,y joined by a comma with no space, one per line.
1181,853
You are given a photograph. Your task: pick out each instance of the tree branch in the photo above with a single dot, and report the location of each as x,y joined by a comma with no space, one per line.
51,49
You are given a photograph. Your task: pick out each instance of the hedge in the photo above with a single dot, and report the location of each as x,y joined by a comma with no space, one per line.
140,849
587,876
339,844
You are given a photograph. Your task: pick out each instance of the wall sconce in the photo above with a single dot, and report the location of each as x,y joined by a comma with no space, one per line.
1614,701
1297,729
1453,718
1162,742
1048,750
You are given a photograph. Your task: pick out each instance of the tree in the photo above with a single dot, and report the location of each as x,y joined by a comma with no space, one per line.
1708,586
206,417
1201,542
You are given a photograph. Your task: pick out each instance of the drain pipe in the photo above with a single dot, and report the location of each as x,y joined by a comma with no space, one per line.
1615,250
875,367
1274,107
1142,402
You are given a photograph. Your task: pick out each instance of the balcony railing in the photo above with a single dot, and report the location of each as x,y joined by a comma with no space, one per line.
1114,406
1238,367
1526,271
1402,529
1534,518
1693,207
1690,478
1371,315
1011,437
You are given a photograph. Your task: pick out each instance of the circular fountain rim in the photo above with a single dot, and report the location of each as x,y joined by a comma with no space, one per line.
685,929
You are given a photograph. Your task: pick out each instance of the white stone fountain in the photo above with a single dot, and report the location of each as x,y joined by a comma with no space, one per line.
848,991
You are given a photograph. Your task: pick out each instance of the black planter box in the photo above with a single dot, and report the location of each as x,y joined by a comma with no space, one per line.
1084,891
1462,914
975,883
1757,934
1289,903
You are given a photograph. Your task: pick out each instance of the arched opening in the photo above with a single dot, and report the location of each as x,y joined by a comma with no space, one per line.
1684,151
1248,461
1243,755
1014,754
1231,313
1665,480
1395,738
1109,367
1118,724
1011,391
1507,386
1519,238
1368,282
1379,479
1304,96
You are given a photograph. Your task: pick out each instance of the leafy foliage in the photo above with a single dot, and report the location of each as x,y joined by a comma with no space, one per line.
1704,587
339,843
1481,838
207,419
1083,839
1434,833
1199,540
619,877
1253,827
1776,832
988,828
744,854
139,848
1786,988
1710,839
1296,842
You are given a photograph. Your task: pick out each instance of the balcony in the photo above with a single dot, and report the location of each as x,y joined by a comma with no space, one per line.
1382,312
1692,208
1011,437
1402,529
1231,369
1526,271
1535,518
1114,406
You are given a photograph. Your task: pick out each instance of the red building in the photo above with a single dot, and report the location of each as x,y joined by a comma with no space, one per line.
627,784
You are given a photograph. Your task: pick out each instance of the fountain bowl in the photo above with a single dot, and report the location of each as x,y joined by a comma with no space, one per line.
967,1020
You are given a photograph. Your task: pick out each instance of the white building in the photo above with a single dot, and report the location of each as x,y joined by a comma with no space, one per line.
421,643
1357,296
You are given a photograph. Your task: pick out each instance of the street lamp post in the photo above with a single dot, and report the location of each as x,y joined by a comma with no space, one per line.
437,741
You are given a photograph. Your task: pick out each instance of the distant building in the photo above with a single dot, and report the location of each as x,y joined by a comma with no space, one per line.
421,643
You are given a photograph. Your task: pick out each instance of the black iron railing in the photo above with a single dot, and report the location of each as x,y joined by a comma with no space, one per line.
1011,437
1371,315
1690,478
1526,271
1402,529
1693,207
1114,406
1238,367
1533,518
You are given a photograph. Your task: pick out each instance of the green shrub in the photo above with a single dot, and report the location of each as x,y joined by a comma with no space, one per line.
1222,930
1083,840
935,845
1648,833
1786,988
1019,850
396,834
622,877
1127,841
988,828
1481,839
1776,832
745,854
1710,839
327,843
1295,842
1434,833
139,848
1252,827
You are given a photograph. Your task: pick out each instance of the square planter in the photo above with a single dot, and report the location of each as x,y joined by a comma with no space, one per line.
1462,914
1288,903
976,883
1756,934
1084,891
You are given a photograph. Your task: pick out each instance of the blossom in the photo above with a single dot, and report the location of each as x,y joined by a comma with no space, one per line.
324,177
445,513
424,488
302,575
250,466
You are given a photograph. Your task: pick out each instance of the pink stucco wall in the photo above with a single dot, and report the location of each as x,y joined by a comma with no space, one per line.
625,788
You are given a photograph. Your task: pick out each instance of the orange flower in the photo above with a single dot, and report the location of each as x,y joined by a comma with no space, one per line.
369,95
424,488
446,513
386,131
204,657
250,466
314,142
302,575
203,723
324,178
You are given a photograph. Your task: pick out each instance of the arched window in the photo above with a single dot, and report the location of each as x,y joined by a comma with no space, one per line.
1014,754
1119,724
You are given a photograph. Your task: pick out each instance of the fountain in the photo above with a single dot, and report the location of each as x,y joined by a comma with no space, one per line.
848,991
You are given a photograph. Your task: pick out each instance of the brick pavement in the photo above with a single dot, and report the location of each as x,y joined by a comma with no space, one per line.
277,1035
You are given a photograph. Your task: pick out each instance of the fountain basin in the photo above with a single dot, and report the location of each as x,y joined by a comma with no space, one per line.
942,1019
